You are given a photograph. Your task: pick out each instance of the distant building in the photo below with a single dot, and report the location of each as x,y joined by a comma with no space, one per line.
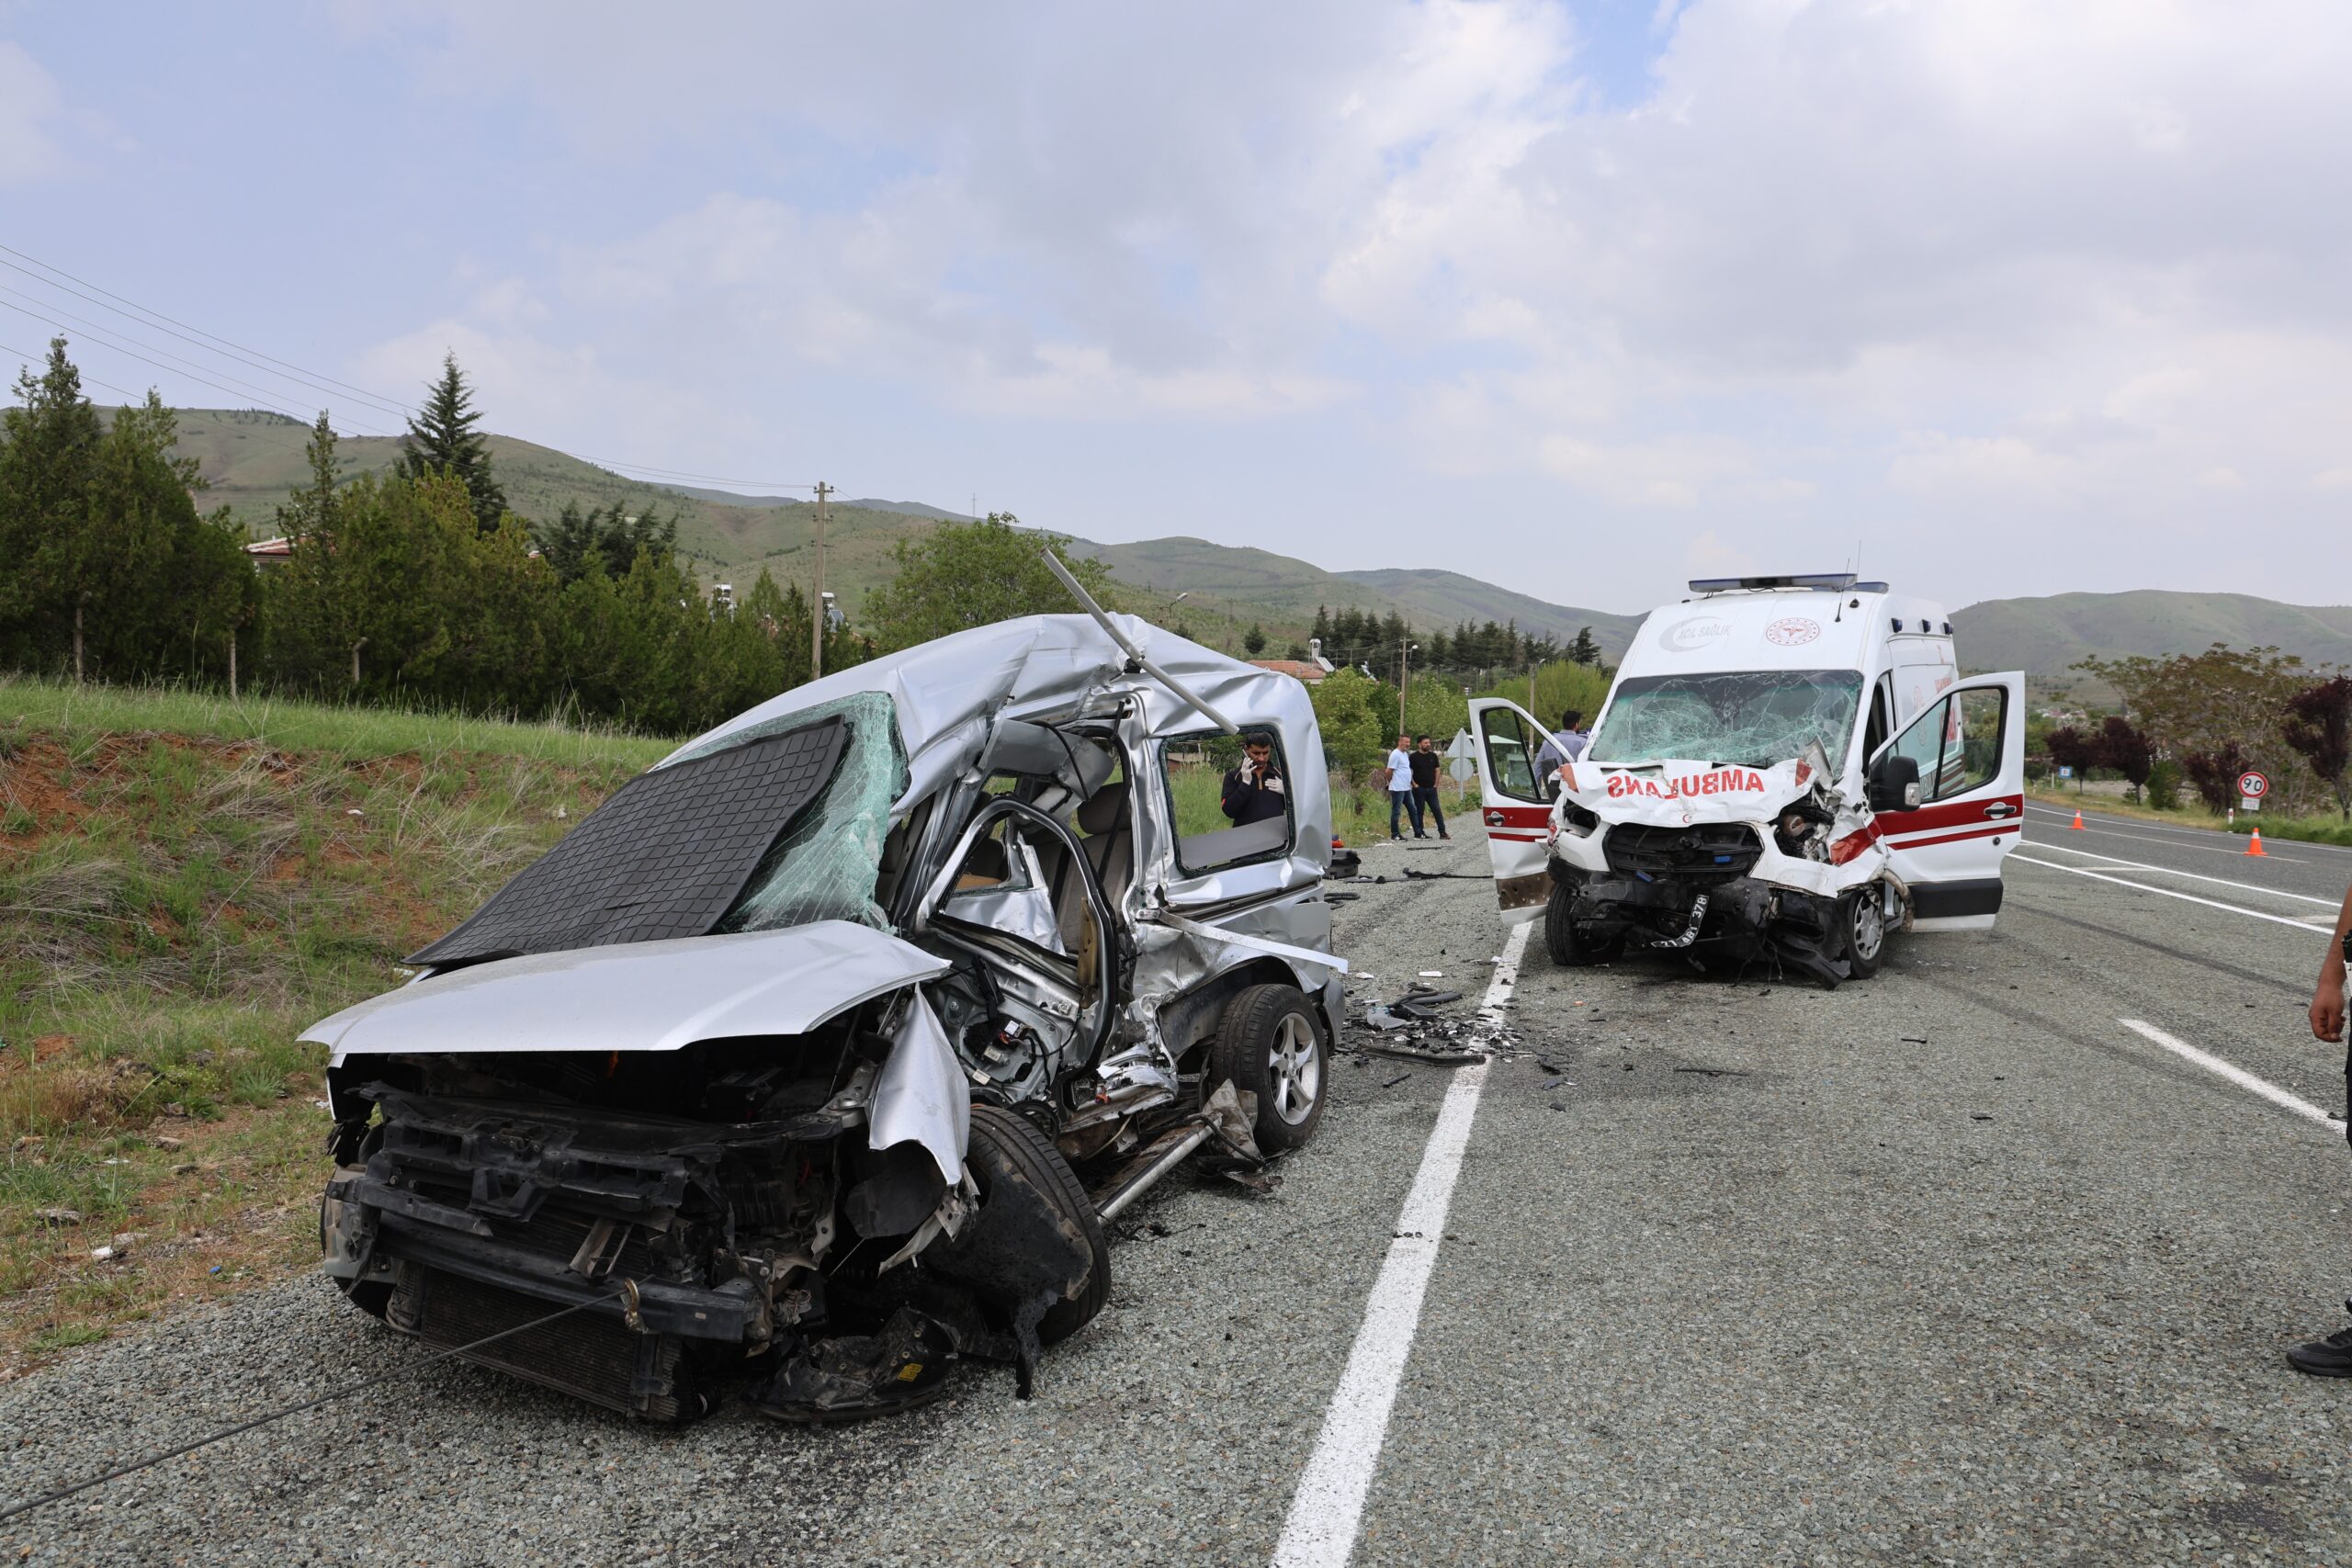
269,552
1306,671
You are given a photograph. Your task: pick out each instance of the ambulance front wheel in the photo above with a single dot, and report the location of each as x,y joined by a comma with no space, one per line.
1862,926
1569,947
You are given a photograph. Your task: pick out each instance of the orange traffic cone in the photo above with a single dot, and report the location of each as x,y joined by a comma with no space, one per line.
2078,823
2256,848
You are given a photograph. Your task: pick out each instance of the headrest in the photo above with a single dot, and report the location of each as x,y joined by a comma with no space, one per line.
1104,809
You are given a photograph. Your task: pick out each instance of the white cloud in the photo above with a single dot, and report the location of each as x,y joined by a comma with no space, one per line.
1865,266
28,102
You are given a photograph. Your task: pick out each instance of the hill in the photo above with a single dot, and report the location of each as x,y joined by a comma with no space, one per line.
2045,636
255,459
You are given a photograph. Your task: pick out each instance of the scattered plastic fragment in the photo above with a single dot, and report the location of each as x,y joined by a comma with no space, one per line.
1400,1078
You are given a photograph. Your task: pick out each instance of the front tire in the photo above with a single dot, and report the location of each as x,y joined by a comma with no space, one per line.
1005,1140
1569,948
1271,1044
1861,929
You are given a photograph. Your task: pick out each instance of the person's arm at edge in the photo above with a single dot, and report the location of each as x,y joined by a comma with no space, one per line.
2327,999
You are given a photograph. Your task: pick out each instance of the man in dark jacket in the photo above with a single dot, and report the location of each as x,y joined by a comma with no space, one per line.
1424,763
1255,792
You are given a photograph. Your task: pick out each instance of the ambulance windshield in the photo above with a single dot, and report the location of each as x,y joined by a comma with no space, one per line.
1756,719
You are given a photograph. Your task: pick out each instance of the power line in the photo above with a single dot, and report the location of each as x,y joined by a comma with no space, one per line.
103,333
645,473
159,316
157,364
328,1398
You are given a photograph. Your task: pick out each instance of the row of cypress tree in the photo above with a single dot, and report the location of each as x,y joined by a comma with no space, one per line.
419,586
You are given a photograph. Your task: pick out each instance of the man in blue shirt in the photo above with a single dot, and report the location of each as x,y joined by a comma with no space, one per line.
1564,746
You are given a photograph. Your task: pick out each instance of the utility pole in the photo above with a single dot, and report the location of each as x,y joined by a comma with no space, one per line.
1404,676
817,599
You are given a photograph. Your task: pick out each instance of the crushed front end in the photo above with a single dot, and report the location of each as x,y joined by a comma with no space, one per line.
1703,858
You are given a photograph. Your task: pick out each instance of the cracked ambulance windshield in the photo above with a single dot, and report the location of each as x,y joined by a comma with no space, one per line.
1756,717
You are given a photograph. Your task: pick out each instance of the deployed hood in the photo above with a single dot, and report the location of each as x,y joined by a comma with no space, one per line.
641,996
1676,794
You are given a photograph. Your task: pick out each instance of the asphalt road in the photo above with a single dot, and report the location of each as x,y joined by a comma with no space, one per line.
1952,1265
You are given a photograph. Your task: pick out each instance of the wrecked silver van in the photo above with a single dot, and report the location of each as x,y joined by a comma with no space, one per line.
824,1049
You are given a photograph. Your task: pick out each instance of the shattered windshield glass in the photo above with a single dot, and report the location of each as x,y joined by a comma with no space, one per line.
1755,717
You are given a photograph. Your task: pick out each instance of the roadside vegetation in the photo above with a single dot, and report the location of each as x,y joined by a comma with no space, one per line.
186,885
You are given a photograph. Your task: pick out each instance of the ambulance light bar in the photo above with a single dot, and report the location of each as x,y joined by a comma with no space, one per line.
1825,581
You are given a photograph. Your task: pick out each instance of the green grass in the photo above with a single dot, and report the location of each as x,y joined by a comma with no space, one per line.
87,713
2328,829
184,884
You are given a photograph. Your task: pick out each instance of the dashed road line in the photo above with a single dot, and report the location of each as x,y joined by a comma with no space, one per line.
2236,1075
2192,875
2302,925
1328,1508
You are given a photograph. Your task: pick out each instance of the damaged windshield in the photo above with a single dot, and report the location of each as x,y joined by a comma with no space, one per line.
1755,717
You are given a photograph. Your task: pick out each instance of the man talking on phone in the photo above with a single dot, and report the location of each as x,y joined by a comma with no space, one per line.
2331,1356
1254,792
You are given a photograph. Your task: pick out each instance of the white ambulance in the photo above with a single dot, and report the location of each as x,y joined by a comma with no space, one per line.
1787,770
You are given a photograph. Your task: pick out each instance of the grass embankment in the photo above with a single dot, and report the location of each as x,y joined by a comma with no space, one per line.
2320,830
184,884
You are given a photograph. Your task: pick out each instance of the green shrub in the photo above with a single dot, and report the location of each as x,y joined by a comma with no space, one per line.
2162,790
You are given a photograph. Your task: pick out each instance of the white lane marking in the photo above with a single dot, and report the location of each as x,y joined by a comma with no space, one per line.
2192,875
2236,1075
2301,925
1328,1508
2178,834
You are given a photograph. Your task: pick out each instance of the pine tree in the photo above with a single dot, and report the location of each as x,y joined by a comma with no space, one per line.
442,437
1584,650
48,454
1254,640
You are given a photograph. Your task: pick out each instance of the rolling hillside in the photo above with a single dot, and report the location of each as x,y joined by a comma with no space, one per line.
2046,637
253,460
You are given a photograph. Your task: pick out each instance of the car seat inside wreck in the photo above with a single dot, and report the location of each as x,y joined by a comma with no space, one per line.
818,1056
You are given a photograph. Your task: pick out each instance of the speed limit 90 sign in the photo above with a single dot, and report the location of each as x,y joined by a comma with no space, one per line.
2253,785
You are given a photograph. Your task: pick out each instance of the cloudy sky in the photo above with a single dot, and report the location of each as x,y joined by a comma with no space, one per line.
2015,297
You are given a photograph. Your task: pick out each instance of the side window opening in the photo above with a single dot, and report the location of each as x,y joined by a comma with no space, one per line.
1230,807
1510,754
1956,743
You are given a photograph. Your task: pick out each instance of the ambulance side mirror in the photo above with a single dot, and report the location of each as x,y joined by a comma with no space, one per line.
1893,783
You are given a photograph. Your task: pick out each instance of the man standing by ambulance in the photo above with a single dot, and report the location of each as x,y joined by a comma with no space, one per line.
2331,1356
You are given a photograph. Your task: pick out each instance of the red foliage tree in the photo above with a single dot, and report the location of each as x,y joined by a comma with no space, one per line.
2319,727
2215,773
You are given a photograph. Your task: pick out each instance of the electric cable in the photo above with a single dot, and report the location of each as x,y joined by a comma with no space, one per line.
644,473
344,1392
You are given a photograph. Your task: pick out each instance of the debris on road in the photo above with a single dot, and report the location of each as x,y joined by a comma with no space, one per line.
1400,1078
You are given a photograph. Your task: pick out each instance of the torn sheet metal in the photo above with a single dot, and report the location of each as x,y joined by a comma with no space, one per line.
645,996
1224,938
922,1096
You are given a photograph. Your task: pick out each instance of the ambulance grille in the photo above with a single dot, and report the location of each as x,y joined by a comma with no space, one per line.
1704,852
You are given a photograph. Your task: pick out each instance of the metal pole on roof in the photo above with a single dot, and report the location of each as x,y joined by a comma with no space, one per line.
1111,629
817,599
